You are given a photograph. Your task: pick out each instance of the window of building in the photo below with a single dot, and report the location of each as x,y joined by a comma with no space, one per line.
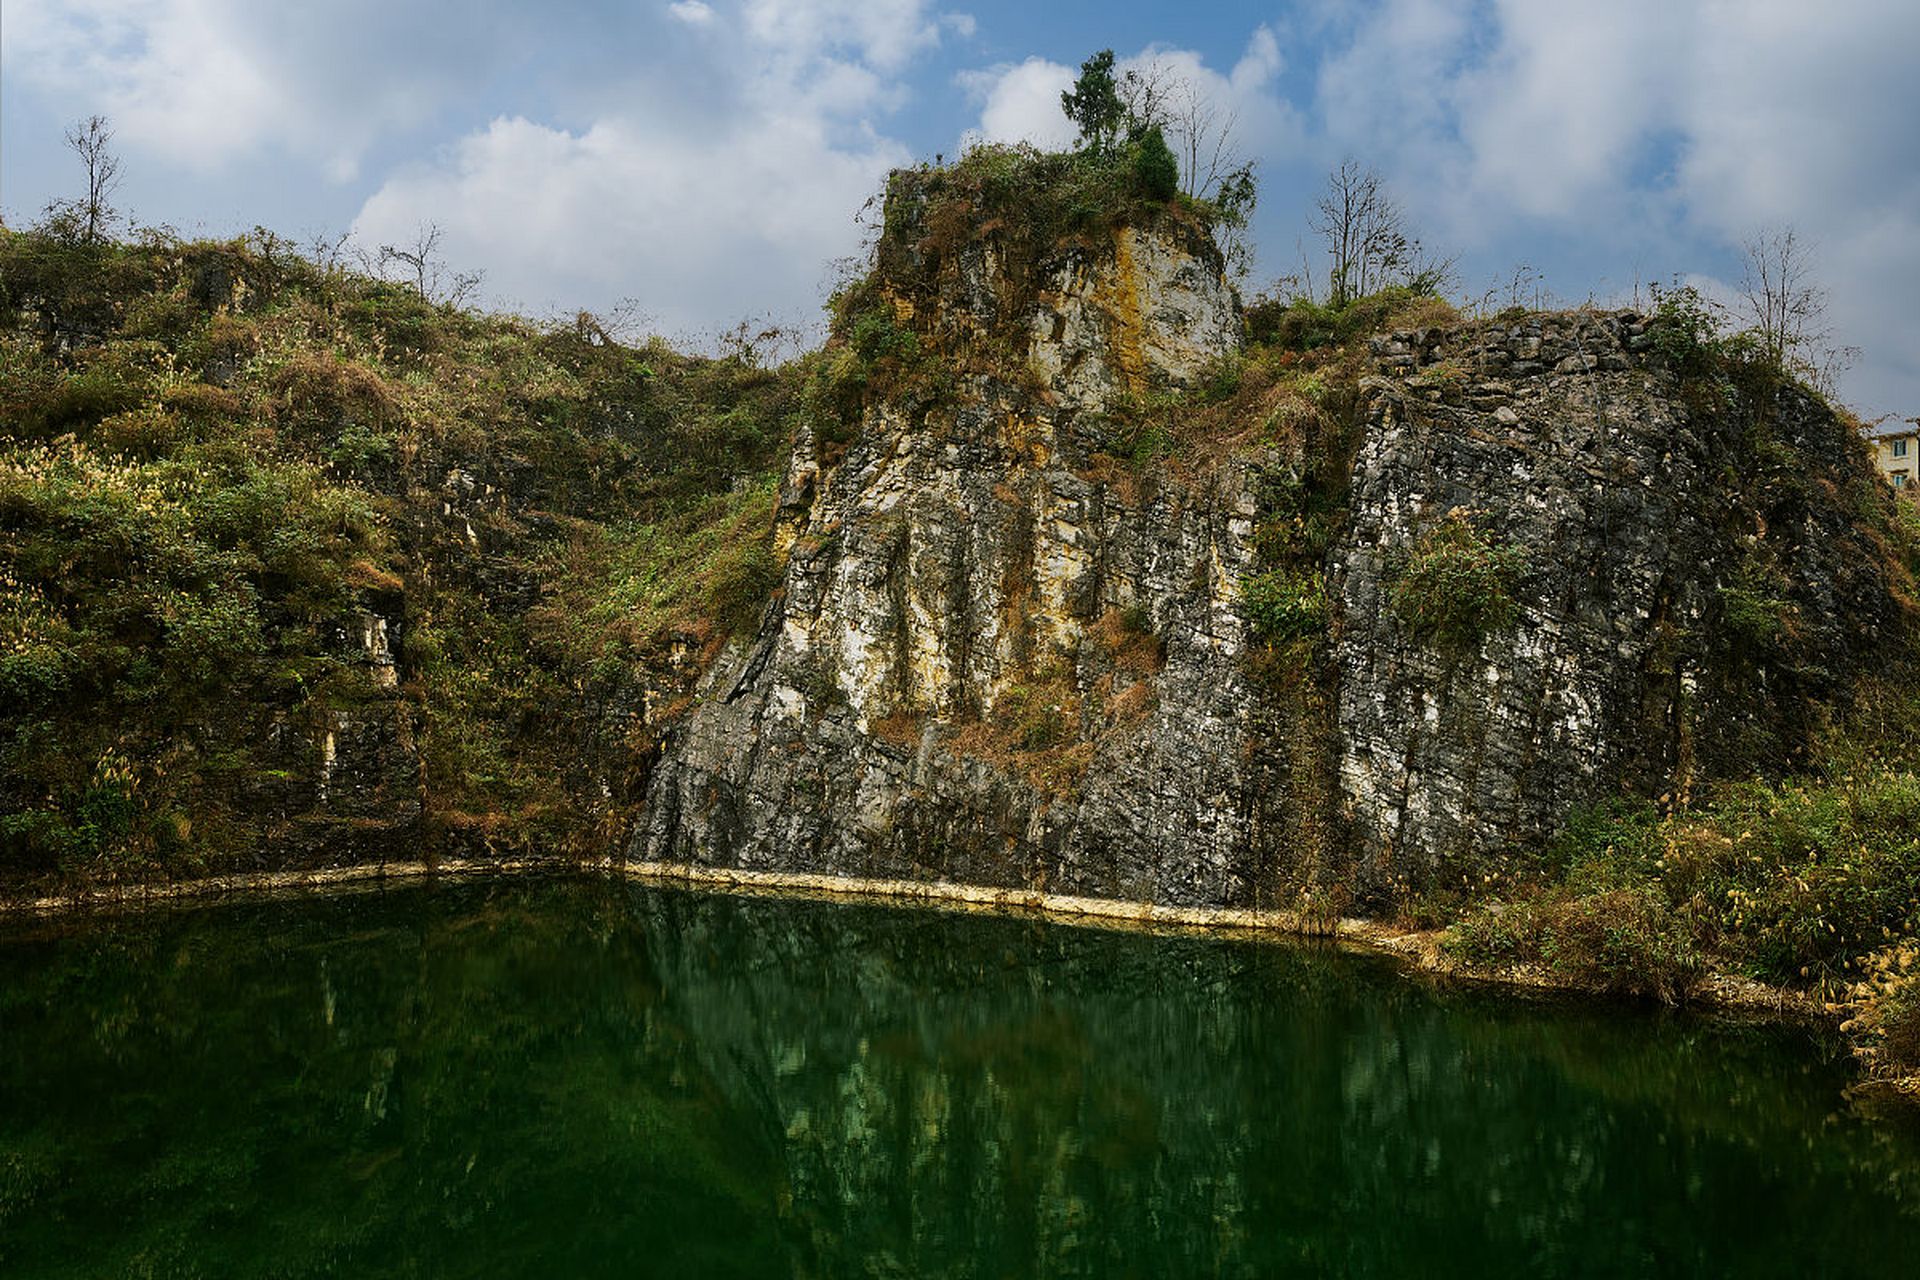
1899,448
1899,479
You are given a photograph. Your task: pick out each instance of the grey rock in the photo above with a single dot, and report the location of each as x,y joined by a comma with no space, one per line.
1000,659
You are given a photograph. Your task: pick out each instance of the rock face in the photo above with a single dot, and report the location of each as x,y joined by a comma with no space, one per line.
963,595
1000,657
1644,527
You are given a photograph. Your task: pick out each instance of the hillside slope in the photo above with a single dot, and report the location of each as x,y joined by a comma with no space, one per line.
303,569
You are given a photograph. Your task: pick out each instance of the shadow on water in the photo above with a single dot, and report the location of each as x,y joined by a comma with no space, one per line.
591,1079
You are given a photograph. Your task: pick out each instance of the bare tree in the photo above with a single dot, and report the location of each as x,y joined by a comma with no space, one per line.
1788,310
1199,129
1202,134
422,267
89,140
1367,241
1780,298
1360,223
1143,95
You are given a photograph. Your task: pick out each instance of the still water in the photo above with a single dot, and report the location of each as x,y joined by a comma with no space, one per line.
582,1079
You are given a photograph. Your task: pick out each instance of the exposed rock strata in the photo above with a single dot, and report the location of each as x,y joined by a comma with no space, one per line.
1638,514
958,568
968,581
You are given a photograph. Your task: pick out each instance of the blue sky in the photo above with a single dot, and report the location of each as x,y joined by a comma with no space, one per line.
707,158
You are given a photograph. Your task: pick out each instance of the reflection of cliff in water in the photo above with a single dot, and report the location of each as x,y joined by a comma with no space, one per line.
989,1096
602,1080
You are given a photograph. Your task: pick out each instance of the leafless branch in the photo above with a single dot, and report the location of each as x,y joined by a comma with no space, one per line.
422,267
89,139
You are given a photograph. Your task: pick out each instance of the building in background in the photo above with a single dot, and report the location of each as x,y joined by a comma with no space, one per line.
1896,452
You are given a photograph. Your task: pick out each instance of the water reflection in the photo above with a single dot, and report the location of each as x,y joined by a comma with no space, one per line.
604,1080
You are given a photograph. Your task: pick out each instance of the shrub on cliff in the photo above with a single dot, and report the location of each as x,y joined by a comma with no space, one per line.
1302,324
145,599
1887,1001
1623,940
1797,883
1285,604
1457,586
1154,167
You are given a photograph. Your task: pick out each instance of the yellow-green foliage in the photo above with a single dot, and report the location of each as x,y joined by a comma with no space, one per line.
1794,883
1285,604
215,455
1457,586
1886,1013
1810,881
140,593
629,591
892,339
1302,325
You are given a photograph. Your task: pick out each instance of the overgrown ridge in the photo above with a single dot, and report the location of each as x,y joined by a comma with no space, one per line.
1577,634
301,569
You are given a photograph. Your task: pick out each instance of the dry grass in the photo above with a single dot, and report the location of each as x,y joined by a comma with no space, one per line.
1124,640
901,727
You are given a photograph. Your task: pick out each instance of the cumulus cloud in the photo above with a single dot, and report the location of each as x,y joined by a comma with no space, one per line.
623,210
703,220
884,34
707,155
205,83
1665,132
1020,103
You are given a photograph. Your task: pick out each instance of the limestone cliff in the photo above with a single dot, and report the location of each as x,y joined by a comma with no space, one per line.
1003,655
1693,585
987,663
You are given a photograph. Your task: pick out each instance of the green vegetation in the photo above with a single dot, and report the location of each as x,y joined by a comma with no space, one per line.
895,336
1457,586
1302,324
1796,883
220,457
888,338
1285,604
1686,330
1154,168
1753,616
1093,104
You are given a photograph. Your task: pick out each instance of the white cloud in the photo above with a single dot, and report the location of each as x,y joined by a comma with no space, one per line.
702,219
882,33
1644,136
203,83
697,230
1020,103
1648,127
1552,120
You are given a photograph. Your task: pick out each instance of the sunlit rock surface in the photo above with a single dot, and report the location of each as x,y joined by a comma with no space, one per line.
1000,657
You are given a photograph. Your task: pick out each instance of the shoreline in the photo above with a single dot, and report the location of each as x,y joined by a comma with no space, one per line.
1418,950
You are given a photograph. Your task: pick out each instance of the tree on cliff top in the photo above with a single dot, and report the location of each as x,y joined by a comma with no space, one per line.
1367,239
1094,105
91,215
1788,310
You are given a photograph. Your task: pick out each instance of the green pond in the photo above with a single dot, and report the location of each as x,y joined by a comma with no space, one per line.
581,1078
